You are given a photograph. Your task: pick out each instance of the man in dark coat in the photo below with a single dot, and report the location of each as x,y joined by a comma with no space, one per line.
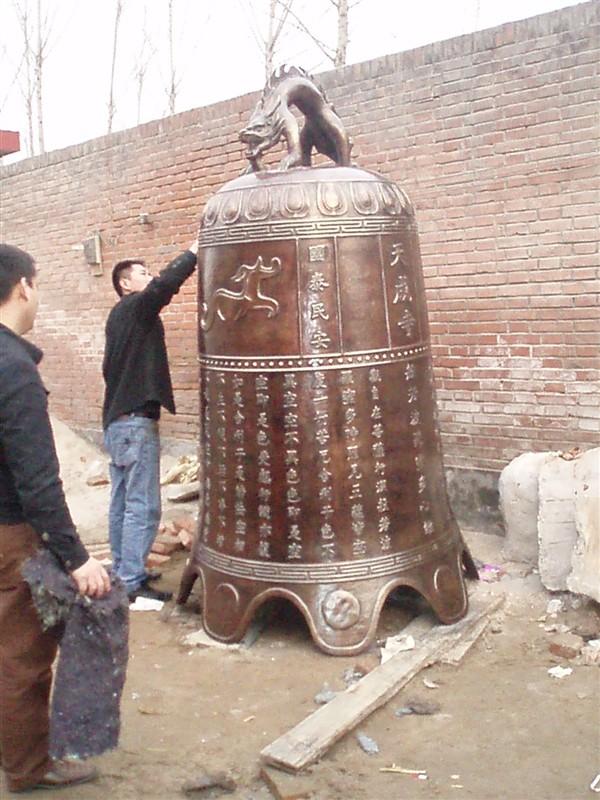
33,514
138,384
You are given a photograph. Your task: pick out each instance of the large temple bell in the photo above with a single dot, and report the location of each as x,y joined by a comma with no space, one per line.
322,476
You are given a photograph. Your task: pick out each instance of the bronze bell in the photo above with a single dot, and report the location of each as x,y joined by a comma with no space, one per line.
323,480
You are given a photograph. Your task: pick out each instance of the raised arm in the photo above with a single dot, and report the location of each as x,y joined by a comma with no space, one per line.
160,290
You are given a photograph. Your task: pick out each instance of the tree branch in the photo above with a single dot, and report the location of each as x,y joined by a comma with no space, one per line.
321,45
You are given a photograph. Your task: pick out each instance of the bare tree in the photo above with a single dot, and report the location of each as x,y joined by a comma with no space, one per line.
338,54
172,90
28,84
147,51
342,32
40,55
111,100
267,44
274,31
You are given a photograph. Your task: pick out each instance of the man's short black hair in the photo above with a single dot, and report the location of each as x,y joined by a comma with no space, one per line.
121,268
15,264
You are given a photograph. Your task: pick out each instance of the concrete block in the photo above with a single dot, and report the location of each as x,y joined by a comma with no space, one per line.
518,486
585,562
556,521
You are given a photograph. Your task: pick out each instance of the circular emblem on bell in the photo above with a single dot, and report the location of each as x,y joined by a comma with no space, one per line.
341,609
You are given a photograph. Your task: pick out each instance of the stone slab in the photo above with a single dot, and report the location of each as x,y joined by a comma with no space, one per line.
585,563
556,521
519,503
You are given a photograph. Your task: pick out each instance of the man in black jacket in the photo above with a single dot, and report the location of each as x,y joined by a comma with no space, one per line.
138,384
33,513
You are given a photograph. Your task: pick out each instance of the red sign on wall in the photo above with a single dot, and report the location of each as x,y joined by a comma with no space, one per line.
9,142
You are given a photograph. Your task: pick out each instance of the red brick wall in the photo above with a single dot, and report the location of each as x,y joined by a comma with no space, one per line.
493,135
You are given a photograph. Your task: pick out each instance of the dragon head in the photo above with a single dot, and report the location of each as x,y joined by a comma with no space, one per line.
264,130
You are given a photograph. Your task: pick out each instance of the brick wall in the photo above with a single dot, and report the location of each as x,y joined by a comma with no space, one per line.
493,135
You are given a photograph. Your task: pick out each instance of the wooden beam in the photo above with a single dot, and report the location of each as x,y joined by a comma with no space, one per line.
456,654
312,737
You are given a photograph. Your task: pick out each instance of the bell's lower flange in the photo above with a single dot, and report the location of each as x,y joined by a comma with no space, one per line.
342,617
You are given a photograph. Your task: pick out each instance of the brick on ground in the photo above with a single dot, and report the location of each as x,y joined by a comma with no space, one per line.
186,539
566,645
168,528
166,545
185,522
157,560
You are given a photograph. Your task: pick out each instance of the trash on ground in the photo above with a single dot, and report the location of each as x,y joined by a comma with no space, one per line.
149,711
403,770
367,744
430,684
146,604
490,573
396,644
560,672
181,493
595,784
555,627
577,601
555,606
420,707
97,473
200,638
326,695
353,675
185,471
216,780
590,653
569,455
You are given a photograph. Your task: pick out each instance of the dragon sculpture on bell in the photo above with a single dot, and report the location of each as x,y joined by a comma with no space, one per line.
273,120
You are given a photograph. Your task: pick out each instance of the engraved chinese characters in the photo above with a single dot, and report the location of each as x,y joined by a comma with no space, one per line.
323,479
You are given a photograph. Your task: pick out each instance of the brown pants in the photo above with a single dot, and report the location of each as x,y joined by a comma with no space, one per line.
26,656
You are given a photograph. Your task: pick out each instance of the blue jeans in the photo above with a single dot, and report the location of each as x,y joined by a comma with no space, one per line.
134,448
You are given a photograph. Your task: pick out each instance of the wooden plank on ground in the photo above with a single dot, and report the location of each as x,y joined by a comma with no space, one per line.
307,741
456,654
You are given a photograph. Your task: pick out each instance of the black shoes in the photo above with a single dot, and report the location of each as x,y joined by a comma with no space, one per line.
148,592
63,774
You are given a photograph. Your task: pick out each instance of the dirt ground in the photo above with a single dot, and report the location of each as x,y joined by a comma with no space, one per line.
505,729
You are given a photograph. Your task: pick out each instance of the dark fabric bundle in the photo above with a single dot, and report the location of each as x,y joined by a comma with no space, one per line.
85,716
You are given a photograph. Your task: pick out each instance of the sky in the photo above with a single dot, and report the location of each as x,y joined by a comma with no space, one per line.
217,52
